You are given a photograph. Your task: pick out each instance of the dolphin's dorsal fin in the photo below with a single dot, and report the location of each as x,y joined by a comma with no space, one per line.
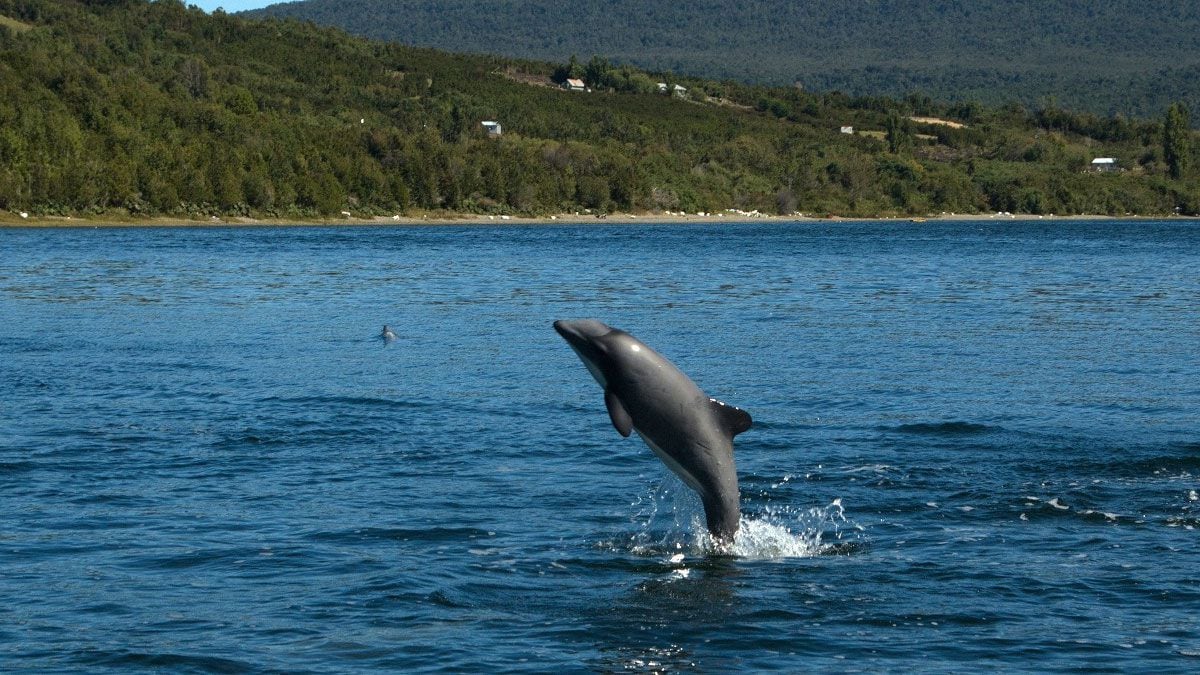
734,420
617,413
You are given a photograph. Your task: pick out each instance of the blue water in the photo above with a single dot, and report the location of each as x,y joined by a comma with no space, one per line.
975,445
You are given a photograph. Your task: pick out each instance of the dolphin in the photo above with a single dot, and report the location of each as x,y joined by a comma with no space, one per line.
691,433
388,334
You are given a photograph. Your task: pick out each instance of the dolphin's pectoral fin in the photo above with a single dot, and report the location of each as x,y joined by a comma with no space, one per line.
617,413
734,420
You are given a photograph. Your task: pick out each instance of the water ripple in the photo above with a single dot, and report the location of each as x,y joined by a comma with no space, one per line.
974,448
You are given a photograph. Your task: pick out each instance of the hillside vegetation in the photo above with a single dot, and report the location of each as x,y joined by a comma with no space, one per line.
1131,57
156,108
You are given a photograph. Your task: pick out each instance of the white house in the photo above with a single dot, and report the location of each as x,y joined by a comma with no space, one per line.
679,91
848,130
573,84
492,128
662,87
1104,164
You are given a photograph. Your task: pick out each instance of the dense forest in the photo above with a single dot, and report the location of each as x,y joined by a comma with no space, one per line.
1129,57
128,106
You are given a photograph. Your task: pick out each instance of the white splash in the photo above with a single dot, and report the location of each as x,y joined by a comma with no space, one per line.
767,534
778,533
1108,516
776,486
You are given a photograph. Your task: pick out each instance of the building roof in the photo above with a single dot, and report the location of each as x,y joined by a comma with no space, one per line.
574,83
1104,160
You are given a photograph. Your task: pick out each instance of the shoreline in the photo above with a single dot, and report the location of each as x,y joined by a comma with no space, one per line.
9,220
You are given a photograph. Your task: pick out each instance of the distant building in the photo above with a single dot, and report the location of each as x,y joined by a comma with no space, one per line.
672,89
492,128
573,84
848,130
1104,164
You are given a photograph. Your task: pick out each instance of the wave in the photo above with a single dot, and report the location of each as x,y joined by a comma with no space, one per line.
13,468
780,425
402,534
167,661
956,428
1186,522
1157,461
1034,508
1155,466
347,400
112,499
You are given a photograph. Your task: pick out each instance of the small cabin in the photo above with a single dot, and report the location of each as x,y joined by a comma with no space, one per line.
574,84
1104,165
679,91
847,130
491,128
662,87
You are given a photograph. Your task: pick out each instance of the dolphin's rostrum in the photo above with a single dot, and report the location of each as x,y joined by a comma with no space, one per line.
691,433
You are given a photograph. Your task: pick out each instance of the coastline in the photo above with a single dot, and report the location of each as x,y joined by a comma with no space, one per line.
11,220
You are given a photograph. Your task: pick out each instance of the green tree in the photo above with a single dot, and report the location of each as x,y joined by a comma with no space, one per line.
594,192
899,137
193,76
571,70
596,72
158,108
1177,132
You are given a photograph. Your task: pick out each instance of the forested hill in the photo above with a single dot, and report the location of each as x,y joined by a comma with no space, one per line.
156,108
1117,56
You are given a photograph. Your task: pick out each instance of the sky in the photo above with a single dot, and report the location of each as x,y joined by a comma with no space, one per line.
231,5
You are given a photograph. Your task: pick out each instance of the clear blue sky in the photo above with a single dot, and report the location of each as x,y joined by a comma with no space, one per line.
231,5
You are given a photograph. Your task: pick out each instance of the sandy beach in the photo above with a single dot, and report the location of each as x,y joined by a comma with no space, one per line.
442,218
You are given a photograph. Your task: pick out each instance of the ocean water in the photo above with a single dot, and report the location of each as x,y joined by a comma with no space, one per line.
976,445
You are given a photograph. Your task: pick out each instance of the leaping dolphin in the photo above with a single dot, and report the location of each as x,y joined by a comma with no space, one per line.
691,433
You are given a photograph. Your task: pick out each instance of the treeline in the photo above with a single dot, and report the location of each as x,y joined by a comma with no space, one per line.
1119,56
155,108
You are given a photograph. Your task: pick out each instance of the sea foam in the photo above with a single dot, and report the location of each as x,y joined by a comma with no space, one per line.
772,532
